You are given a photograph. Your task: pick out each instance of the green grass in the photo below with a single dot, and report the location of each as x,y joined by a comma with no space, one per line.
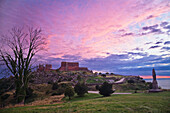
95,103
94,80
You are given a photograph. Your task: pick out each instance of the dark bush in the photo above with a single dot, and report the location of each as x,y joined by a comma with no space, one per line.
55,86
31,81
49,82
63,85
69,79
47,92
6,84
97,87
79,78
81,89
1,92
143,81
60,91
54,94
131,81
4,97
106,89
103,75
69,91
29,92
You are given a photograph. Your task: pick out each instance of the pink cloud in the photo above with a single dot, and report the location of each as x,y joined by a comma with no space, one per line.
83,28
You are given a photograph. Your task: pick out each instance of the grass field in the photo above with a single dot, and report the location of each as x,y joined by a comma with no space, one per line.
94,103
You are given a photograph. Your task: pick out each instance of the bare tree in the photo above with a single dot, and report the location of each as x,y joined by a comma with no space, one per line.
17,51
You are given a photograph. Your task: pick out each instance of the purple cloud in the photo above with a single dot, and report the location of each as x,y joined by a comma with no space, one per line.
139,53
167,42
163,24
152,47
149,17
148,43
150,27
167,27
127,34
165,48
158,42
139,49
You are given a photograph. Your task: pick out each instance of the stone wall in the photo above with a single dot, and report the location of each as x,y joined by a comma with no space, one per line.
47,67
71,66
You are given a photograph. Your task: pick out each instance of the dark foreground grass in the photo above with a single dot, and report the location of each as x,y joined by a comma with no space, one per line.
94,103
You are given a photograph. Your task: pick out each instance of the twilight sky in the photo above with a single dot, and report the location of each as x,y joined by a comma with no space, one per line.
127,37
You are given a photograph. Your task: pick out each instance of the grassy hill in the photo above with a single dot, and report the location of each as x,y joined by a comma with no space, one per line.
94,103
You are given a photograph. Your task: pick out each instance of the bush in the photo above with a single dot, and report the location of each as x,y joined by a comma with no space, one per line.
60,91
54,94
55,86
106,89
107,73
103,75
4,97
97,87
63,85
79,78
47,92
131,81
49,82
69,91
81,89
29,92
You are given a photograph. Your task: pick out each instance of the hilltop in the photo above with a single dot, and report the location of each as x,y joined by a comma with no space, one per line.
42,83
47,85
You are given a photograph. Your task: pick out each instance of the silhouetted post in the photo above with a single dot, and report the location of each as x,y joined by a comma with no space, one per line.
154,83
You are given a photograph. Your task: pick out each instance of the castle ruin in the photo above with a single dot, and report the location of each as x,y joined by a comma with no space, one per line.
65,66
72,66
47,67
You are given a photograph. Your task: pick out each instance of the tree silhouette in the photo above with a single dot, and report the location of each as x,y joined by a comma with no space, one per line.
17,50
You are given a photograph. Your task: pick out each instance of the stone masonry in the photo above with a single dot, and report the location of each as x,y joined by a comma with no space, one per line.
71,66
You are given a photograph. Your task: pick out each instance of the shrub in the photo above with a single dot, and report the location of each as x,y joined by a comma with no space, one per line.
29,92
97,87
49,82
106,89
69,91
131,81
4,97
63,85
107,73
47,92
55,86
143,81
80,89
79,78
103,75
54,94
60,91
